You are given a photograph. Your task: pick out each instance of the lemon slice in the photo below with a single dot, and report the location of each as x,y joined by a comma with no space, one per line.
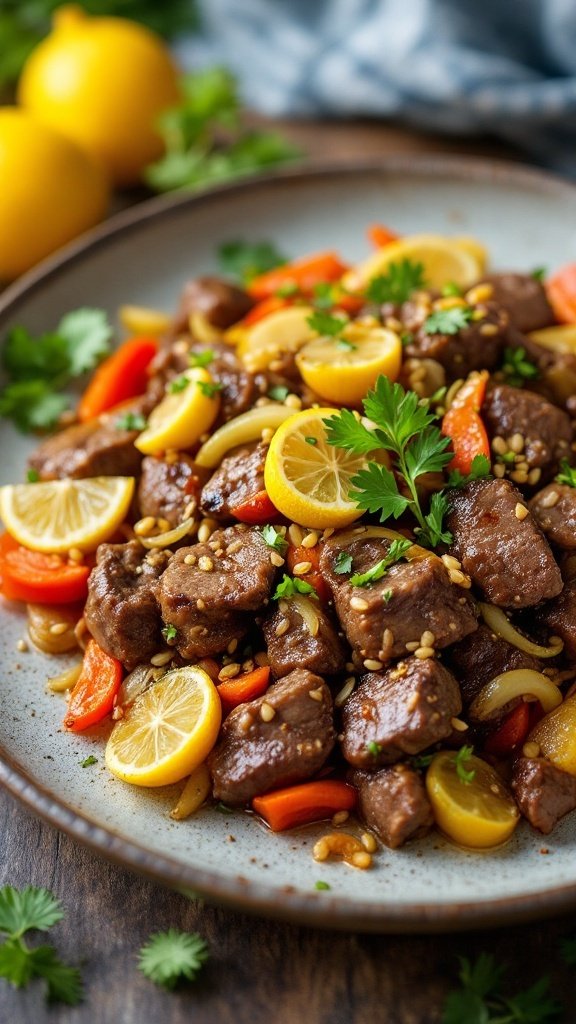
188,411
283,331
561,338
343,369
444,260
168,731
61,514
479,814
555,734
307,479
142,320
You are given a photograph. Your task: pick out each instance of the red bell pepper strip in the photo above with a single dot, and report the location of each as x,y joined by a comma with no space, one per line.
243,688
314,577
463,424
561,292
298,805
93,695
120,377
511,732
263,309
380,235
257,510
305,274
35,577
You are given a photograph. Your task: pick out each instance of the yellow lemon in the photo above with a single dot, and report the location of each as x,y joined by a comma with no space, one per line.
307,479
168,731
188,411
283,331
343,369
480,813
50,191
561,338
142,320
555,734
61,514
444,260
102,82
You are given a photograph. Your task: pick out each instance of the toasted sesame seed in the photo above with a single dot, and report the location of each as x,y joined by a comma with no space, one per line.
75,555
519,476
499,445
488,330
200,604
458,724
321,850
22,646
372,664
234,547
162,658
427,639
232,646
293,402
549,500
163,525
301,568
412,645
229,671
499,470
359,604
458,577
267,435
206,529
190,559
520,511
479,293
343,694
317,694
448,302
295,534
310,540
450,562
267,712
516,443
144,526
361,860
531,749
424,652
246,721
534,475
282,627
248,665
205,563
276,559
327,532
58,628
369,842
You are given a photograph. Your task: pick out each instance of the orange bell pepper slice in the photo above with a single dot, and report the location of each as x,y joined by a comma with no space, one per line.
299,805
314,577
35,577
243,688
305,274
561,292
94,693
380,235
120,377
463,424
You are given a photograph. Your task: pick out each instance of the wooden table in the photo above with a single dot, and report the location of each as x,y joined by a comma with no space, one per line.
260,972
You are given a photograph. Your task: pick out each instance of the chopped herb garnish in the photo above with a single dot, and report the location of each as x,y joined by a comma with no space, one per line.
403,426
347,346
169,632
130,421
223,808
326,324
89,761
567,474
448,321
311,440
480,1001
387,596
438,395
518,368
508,458
324,297
479,470
406,338
398,549
287,290
279,392
178,384
451,289
172,956
397,284
374,748
203,358
274,539
292,585
245,260
421,761
32,476
209,387
342,563
321,886
539,274
466,775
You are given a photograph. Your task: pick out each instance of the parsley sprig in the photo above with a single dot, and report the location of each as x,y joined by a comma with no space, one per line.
274,539
397,550
404,427
567,474
480,1000
479,470
397,284
518,368
32,909
171,956
292,585
448,321
326,324
466,775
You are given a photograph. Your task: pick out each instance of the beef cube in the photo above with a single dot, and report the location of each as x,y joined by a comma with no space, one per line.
508,558
167,488
96,448
478,346
239,477
554,509
209,588
480,657
546,430
221,303
291,643
559,616
259,752
393,803
122,612
379,620
543,792
524,299
398,712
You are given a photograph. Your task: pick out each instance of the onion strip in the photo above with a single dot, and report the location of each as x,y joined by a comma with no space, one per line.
66,680
165,540
500,624
520,682
307,612
241,430
195,792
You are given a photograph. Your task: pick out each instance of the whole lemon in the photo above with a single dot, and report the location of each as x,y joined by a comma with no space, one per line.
50,191
102,81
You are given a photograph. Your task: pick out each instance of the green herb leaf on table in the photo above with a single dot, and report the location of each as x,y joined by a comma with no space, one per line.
398,549
448,321
518,367
173,956
322,886
342,563
466,775
480,1001
89,761
131,421
245,260
292,585
22,910
567,474
274,539
479,470
397,284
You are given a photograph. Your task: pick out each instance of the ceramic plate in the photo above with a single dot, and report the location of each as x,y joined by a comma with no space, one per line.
144,256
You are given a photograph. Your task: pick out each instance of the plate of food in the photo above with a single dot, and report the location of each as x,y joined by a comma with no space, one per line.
289,525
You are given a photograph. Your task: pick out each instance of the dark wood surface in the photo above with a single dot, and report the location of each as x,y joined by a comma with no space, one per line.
260,972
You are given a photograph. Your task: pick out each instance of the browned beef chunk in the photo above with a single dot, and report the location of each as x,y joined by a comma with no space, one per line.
559,617
544,793
208,589
240,388
291,644
254,755
412,598
546,430
523,298
480,657
393,802
554,509
508,558
398,712
475,347
166,488
222,303
88,449
239,477
122,612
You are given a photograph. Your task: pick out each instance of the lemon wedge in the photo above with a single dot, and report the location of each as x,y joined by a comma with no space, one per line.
168,731
481,813
307,479
186,412
61,514
343,369
281,332
444,260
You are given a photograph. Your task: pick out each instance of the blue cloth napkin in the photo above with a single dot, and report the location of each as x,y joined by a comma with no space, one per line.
507,67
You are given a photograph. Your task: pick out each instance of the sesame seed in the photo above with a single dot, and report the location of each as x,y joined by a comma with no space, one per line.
206,529
301,568
75,555
160,659
427,639
232,646
293,402
190,559
200,604
499,445
22,646
372,664
458,724
246,721
267,712
310,540
480,293
321,850
549,500
229,671
424,652
531,749
488,330
359,604
327,532
516,443
499,470
282,627
412,645
317,695
534,475
58,628
361,860
234,547
295,534
520,511
163,525
144,526
369,842
276,559
205,563
343,694
450,562
340,817
519,476
459,578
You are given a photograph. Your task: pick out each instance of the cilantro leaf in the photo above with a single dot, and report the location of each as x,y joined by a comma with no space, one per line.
209,387
15,963
567,474
397,284
171,956
274,539
434,532
63,983
245,260
518,368
87,335
24,909
326,324
479,469
32,405
534,1005
376,490
131,421
291,585
466,775
32,476
397,550
342,563
169,632
448,321
203,358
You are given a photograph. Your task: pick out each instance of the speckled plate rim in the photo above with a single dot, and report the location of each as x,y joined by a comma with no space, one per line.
238,892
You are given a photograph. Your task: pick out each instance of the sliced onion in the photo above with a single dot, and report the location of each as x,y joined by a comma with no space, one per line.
305,608
241,430
41,620
66,680
195,792
500,624
165,540
520,682
137,682
202,330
